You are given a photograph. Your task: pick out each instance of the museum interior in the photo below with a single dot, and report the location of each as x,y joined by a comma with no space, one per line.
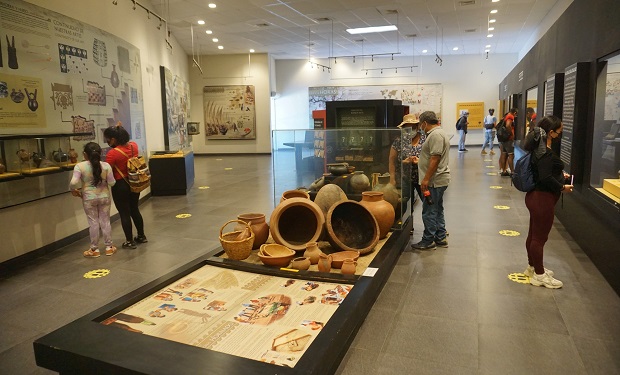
278,220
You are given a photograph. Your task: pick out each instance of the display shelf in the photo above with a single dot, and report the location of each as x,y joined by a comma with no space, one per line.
82,346
172,172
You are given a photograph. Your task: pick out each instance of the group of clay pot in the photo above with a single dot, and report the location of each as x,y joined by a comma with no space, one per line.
281,256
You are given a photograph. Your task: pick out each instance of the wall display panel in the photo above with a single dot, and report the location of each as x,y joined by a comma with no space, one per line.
605,166
229,112
476,113
568,115
175,106
426,97
63,76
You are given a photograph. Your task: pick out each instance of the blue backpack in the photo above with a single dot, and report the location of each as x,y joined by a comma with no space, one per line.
523,175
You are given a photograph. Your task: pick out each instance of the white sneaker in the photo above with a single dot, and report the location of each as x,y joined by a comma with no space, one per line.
546,281
529,271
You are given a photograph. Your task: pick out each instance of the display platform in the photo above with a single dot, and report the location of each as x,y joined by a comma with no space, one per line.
88,346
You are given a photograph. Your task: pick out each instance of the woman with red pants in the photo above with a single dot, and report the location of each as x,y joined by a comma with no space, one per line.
550,183
125,200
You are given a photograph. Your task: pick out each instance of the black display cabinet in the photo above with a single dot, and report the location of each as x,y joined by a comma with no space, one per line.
171,173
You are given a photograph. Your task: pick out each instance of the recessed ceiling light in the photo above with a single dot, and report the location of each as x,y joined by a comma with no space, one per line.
494,1
455,48
251,50
487,50
374,29
201,22
490,36
215,40
492,20
487,46
220,47
209,32
212,5
424,50
491,28
494,11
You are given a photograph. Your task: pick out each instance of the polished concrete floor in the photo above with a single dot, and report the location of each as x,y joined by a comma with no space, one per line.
447,311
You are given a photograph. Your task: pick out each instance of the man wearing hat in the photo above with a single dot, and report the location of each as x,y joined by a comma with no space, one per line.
403,159
435,177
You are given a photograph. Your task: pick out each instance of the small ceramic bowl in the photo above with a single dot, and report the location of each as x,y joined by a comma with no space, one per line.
276,250
339,257
279,261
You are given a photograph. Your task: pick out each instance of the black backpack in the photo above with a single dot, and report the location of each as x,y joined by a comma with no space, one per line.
458,122
503,134
523,176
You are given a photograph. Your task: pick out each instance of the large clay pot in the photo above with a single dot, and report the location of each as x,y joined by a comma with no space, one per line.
294,194
295,222
258,225
380,209
312,252
325,263
358,182
328,195
350,226
348,267
390,193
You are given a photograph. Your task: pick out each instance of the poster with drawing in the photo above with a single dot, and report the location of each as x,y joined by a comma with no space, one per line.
59,75
419,98
175,103
264,318
229,112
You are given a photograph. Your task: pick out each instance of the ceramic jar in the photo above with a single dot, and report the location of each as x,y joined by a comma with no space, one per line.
259,227
60,156
295,222
328,195
359,182
350,226
325,263
294,194
23,155
338,169
390,193
348,267
73,155
379,208
301,263
312,252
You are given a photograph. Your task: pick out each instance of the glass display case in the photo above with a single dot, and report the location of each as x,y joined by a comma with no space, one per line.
29,162
605,175
356,160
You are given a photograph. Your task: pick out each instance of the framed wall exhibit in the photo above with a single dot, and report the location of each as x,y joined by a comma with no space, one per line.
63,76
476,113
175,109
229,112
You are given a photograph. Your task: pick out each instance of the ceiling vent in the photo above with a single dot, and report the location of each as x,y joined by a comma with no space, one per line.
467,2
322,19
470,30
387,11
262,25
411,36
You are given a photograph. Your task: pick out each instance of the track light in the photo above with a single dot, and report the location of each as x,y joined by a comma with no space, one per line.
392,56
335,61
114,2
159,27
353,59
395,70
134,4
372,57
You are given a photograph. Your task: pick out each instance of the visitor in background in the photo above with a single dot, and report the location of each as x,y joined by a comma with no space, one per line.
461,126
507,147
489,132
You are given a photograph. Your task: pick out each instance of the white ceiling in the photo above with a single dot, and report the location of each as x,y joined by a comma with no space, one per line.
285,28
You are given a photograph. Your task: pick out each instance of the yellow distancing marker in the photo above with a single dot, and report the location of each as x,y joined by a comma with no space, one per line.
228,169
495,187
203,187
95,274
509,233
501,207
183,216
519,278
488,159
490,166
219,159
491,173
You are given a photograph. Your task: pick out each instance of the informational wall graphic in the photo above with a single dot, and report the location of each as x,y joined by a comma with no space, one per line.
175,97
59,75
264,318
549,95
612,93
476,113
568,114
419,98
230,112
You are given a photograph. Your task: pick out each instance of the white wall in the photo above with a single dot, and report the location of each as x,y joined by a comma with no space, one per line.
465,78
232,70
29,226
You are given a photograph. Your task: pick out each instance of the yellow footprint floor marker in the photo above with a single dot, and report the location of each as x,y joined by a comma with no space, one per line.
491,173
519,278
228,169
203,187
488,160
495,187
509,233
501,207
183,216
219,159
95,274
490,166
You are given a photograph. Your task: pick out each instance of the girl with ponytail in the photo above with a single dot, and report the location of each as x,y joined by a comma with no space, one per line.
91,181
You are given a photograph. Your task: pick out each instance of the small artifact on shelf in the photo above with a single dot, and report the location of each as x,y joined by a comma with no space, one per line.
301,263
338,169
281,260
275,250
312,252
325,263
60,156
73,155
348,267
23,155
359,182
339,257
236,249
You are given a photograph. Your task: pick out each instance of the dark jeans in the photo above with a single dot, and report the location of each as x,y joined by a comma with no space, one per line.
407,190
433,217
541,205
126,203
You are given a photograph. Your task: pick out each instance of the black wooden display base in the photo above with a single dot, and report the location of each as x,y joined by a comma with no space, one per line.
87,347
